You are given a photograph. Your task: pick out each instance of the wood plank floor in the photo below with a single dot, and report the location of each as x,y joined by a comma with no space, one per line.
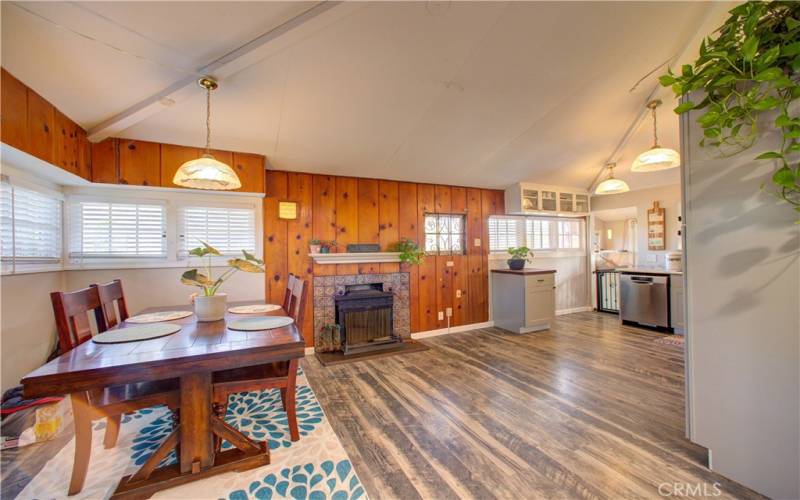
589,409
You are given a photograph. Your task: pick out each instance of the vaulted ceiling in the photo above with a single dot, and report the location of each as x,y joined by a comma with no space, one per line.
473,93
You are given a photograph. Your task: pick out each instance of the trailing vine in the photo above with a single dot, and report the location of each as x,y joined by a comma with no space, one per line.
749,67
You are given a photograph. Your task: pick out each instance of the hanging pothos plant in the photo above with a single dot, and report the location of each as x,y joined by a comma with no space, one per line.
750,66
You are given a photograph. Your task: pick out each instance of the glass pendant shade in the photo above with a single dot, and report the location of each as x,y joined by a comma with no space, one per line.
612,186
656,159
206,173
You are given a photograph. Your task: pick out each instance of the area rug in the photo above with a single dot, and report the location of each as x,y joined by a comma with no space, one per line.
672,340
316,467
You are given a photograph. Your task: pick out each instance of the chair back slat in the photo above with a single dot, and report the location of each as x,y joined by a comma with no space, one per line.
111,293
297,304
287,294
71,311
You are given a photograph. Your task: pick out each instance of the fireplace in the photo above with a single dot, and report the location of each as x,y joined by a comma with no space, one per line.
364,314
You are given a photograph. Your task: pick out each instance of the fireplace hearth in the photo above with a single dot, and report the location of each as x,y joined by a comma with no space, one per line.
364,313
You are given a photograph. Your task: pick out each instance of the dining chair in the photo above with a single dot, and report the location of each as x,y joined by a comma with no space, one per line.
110,294
72,312
280,375
287,294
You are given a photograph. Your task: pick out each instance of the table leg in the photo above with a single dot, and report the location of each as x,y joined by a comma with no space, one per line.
197,450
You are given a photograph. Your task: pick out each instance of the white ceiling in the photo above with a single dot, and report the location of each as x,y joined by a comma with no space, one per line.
478,94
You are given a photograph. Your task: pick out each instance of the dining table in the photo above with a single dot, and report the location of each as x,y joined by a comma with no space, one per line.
190,355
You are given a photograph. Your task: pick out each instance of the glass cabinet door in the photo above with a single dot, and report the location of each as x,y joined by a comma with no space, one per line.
530,199
565,202
549,201
582,203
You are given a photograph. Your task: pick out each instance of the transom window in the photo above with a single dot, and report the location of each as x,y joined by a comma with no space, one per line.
445,234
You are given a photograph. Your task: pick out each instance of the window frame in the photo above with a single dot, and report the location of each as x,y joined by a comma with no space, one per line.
463,233
554,250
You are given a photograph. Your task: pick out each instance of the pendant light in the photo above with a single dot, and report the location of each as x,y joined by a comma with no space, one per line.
207,172
612,185
656,158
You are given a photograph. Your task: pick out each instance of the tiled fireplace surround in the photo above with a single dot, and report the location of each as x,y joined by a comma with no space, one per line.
327,287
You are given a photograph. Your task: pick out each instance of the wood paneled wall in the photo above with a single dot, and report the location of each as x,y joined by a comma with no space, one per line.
357,210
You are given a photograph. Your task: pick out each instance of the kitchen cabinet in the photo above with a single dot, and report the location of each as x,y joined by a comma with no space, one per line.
139,162
41,117
13,111
172,157
523,301
105,161
528,198
250,170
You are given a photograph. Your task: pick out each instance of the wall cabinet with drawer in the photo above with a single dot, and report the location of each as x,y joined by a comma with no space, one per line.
523,301
527,198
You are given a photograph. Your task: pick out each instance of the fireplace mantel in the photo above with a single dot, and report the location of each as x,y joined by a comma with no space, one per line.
354,258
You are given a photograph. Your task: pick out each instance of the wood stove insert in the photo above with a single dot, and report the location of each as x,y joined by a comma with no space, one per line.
364,316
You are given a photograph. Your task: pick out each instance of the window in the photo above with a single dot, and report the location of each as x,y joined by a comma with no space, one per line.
444,234
101,229
31,227
229,230
503,233
536,232
569,234
539,234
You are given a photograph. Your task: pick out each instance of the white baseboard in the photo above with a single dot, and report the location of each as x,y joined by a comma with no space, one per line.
562,312
453,329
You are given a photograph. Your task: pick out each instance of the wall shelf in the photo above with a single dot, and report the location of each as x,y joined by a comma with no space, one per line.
354,258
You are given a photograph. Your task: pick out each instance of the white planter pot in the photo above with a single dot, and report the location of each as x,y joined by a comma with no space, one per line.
210,308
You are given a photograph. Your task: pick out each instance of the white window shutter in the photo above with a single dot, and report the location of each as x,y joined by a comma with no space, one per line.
117,230
503,233
229,230
31,226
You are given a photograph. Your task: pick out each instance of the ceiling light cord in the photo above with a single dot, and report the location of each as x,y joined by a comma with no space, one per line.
208,120
655,128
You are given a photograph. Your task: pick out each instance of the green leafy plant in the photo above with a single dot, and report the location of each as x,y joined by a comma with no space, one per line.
750,66
410,252
520,253
206,281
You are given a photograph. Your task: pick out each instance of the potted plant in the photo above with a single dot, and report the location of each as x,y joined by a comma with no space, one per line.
314,246
410,252
519,256
209,304
326,246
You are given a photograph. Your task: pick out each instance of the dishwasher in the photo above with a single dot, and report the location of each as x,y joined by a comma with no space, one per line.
644,299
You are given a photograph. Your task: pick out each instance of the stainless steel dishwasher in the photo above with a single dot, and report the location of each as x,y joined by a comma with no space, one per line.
644,299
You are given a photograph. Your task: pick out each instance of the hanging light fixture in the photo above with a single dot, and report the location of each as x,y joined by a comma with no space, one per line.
207,172
656,158
611,185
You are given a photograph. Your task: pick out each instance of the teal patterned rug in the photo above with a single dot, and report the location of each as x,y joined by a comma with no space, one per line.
316,467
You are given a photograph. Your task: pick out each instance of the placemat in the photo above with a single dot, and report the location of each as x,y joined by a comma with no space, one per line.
260,323
136,333
158,316
254,308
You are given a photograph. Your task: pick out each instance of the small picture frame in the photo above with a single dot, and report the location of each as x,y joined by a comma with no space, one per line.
655,228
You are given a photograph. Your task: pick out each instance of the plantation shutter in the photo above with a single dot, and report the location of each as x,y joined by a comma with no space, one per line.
503,233
118,230
31,226
229,230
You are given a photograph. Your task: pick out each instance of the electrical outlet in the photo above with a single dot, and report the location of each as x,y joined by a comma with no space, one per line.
441,316
449,312
450,263
458,294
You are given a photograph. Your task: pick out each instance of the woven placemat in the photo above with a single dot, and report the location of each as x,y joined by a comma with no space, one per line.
136,333
254,309
260,323
158,316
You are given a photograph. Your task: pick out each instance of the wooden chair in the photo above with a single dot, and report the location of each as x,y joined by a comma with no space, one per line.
287,295
111,293
74,328
281,375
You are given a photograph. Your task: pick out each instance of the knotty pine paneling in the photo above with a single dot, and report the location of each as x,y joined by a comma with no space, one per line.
276,246
352,210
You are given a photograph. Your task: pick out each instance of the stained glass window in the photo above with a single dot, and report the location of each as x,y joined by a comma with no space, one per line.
445,234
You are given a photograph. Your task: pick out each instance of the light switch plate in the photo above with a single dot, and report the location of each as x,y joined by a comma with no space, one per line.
449,312
458,294
477,242
450,263
441,316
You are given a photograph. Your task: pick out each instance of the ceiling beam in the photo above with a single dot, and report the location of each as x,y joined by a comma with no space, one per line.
226,65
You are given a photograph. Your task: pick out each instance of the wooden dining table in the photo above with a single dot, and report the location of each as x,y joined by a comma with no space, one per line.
191,355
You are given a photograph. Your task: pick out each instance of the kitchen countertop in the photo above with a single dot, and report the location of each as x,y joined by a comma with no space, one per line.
524,272
647,270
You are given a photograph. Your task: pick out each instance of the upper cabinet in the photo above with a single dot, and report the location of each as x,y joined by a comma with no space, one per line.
528,198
